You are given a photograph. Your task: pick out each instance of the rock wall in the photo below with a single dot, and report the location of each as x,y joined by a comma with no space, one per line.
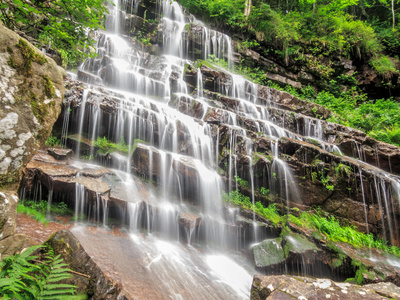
31,92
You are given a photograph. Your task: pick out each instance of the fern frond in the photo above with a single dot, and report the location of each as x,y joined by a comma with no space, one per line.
59,291
57,272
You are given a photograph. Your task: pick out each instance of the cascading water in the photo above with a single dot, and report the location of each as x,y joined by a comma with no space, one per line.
141,102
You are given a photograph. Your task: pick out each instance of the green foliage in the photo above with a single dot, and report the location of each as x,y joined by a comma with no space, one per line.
342,169
241,182
253,74
384,66
379,118
303,27
64,24
336,232
22,276
38,209
270,212
264,191
105,146
223,12
52,141
329,226
31,212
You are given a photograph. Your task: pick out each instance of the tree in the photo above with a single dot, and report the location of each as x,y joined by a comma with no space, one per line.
247,9
62,23
391,6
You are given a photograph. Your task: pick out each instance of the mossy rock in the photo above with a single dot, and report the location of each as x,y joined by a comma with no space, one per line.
32,89
268,253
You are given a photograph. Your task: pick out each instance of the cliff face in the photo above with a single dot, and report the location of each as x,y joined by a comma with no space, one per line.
159,133
31,92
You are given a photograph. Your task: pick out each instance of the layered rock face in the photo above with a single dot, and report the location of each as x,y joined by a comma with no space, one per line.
31,91
190,129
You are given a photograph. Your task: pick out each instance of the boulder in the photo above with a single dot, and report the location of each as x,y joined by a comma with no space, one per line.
138,267
99,285
11,245
268,254
8,212
31,90
293,287
300,250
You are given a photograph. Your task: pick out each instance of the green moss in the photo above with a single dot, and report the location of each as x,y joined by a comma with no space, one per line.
186,67
39,110
2,223
9,178
49,89
254,158
9,50
11,62
29,55
313,142
340,256
361,273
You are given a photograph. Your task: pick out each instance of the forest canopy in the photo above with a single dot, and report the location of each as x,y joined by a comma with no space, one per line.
358,29
64,24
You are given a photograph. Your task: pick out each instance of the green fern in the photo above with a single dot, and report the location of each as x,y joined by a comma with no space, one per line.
22,279
54,271
15,273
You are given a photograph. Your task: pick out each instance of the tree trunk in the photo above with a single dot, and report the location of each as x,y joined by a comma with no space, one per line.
247,9
393,13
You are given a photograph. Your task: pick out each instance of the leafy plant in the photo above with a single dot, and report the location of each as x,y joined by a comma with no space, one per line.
336,232
105,146
31,212
264,191
60,209
52,141
241,182
22,276
270,212
63,24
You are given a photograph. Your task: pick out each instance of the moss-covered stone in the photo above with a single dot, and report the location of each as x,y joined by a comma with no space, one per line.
49,89
268,253
29,55
32,87
297,244
39,109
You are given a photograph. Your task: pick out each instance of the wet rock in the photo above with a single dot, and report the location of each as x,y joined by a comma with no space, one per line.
372,265
213,80
99,285
137,267
268,254
189,220
187,105
76,142
62,177
300,250
283,80
295,287
143,155
385,289
60,154
134,23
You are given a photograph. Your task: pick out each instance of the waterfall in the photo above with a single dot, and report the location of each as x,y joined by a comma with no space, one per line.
188,138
